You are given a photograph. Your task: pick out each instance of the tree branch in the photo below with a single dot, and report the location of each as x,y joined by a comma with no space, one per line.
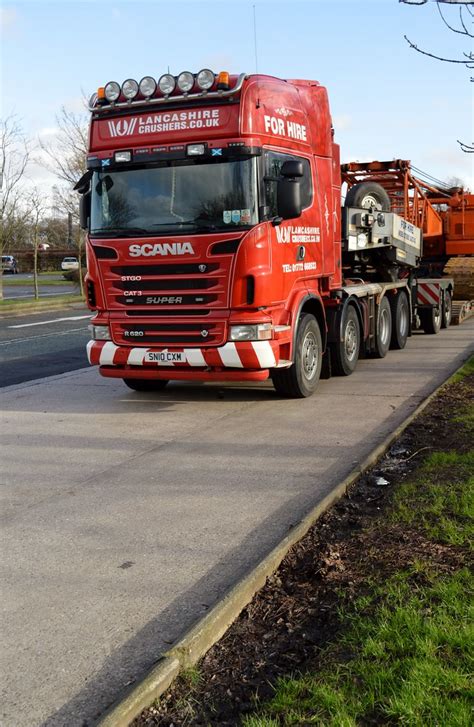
454,30
469,56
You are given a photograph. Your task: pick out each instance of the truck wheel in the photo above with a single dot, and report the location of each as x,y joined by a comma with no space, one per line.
300,379
345,353
400,321
447,312
367,195
383,334
430,320
146,384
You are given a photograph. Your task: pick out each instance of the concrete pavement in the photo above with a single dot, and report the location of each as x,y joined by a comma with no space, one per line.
127,515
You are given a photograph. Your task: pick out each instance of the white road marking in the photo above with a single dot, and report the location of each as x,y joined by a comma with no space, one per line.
42,335
55,320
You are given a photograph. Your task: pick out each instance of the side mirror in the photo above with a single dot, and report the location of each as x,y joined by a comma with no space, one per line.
292,169
84,210
289,190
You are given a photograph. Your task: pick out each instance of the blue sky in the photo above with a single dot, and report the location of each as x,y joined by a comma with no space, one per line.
387,100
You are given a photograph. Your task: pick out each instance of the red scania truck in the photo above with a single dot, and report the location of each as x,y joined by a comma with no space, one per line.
217,247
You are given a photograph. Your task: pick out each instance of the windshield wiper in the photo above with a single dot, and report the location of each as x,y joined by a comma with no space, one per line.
120,231
199,224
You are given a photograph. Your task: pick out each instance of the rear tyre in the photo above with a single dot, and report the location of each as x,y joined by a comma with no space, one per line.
146,384
400,321
368,195
345,353
301,378
447,311
430,320
383,333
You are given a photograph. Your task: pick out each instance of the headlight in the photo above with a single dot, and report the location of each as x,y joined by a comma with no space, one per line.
130,88
147,86
205,79
100,333
112,91
185,81
167,84
258,332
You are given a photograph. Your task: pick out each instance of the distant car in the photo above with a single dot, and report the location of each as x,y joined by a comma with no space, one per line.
70,263
9,265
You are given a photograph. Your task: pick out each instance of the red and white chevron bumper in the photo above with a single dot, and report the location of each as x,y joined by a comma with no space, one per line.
428,293
238,355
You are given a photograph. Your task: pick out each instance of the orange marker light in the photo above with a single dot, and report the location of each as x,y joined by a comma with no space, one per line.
223,82
101,93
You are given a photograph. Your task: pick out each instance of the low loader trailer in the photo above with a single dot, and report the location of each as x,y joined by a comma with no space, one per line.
217,245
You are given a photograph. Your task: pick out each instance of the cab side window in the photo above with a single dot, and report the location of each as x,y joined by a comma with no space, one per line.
273,162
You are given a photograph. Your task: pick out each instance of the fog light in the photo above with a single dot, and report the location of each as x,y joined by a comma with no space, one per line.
194,150
123,156
258,332
100,333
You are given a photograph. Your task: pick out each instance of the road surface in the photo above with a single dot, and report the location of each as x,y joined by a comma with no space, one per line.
21,286
42,344
127,515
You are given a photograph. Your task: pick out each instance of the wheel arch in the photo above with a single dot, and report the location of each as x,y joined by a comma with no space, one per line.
314,305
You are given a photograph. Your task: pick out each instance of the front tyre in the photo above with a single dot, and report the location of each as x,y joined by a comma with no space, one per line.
146,384
301,378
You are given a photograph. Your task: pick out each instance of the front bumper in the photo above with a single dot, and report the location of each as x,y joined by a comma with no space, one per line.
245,355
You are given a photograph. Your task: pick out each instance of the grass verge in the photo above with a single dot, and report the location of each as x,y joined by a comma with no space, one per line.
19,304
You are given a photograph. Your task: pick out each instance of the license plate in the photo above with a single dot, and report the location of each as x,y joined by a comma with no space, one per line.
165,357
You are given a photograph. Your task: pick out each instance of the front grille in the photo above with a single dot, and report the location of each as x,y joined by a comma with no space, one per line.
168,334
165,269
169,284
170,302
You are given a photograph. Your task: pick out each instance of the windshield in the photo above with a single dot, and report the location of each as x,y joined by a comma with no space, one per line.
188,196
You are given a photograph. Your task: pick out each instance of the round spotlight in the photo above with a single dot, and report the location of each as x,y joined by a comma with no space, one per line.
112,91
130,88
147,86
167,84
205,79
185,81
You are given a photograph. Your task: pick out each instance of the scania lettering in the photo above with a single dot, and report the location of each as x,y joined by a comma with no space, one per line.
217,240
166,248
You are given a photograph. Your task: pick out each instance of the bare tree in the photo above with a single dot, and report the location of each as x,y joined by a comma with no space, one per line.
36,212
66,157
14,157
466,15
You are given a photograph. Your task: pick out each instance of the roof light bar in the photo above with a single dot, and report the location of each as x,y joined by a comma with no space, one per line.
204,82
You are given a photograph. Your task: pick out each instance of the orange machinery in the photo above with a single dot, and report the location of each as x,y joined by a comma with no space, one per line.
445,214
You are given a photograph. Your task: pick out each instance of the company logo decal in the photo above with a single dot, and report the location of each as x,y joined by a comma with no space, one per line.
298,234
284,111
161,248
167,121
123,127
